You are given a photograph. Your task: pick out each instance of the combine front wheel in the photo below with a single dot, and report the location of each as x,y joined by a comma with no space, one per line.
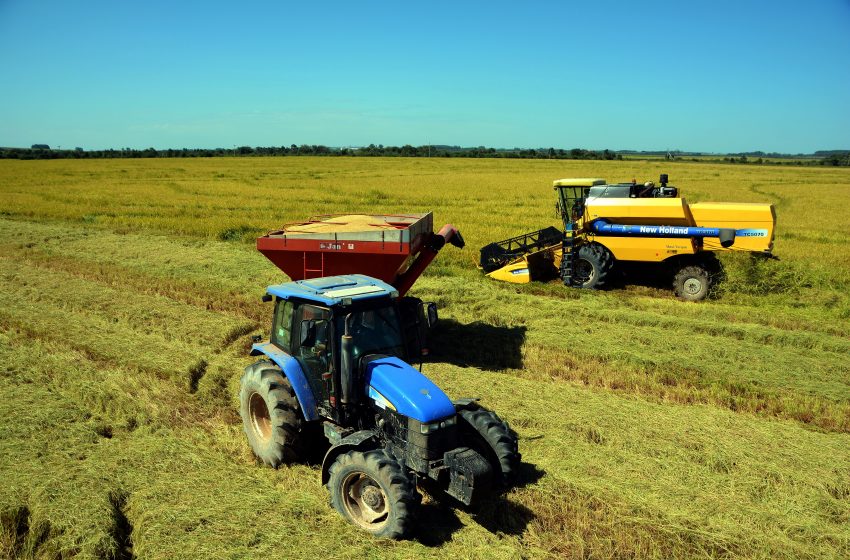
593,266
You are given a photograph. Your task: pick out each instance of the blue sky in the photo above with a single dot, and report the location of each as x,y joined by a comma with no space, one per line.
721,76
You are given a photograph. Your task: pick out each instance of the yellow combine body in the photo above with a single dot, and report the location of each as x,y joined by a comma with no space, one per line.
740,216
630,222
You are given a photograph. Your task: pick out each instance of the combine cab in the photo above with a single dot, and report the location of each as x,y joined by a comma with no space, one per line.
630,222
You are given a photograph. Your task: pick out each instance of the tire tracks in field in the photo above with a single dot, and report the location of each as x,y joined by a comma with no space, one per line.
780,201
737,316
115,276
682,386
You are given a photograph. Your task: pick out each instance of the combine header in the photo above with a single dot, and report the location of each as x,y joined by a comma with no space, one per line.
630,222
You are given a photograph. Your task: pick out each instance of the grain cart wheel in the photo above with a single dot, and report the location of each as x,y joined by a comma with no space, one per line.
371,490
490,436
270,414
592,266
692,283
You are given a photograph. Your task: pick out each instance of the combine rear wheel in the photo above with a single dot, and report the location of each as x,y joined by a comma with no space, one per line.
592,266
271,415
489,435
371,490
692,283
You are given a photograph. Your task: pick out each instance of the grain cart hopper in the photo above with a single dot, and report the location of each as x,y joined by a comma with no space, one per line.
336,370
392,248
630,222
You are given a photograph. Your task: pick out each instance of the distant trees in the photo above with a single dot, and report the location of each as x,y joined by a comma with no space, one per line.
837,159
43,151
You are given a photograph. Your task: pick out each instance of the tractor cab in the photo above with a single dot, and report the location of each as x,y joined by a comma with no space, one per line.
331,326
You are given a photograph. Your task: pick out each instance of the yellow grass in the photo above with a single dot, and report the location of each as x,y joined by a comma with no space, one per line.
649,427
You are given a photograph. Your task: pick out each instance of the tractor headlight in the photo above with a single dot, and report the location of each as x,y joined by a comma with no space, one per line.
434,426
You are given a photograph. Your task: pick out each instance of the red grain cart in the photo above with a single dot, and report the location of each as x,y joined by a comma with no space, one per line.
395,248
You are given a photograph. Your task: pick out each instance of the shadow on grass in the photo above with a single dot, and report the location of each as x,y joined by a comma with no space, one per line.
438,520
658,276
477,344
502,516
649,275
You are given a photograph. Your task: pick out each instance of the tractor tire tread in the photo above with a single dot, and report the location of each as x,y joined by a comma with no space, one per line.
501,442
285,443
400,489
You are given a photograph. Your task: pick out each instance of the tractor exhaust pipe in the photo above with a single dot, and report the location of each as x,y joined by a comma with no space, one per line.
346,363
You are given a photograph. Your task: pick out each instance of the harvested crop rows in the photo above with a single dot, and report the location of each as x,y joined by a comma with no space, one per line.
649,427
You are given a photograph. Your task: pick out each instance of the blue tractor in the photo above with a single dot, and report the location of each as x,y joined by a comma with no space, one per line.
335,372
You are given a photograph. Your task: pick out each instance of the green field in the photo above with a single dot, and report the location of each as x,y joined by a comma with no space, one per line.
649,427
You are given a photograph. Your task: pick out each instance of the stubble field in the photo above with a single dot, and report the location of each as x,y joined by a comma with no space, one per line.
649,427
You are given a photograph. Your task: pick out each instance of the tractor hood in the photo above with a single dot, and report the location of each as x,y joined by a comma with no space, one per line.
394,384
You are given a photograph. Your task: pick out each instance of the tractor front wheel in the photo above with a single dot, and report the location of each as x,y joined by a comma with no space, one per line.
485,432
271,415
371,490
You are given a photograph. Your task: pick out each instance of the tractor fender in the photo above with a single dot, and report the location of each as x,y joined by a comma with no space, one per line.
363,440
293,372
469,403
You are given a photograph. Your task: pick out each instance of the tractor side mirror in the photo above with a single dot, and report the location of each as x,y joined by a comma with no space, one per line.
267,298
431,313
308,332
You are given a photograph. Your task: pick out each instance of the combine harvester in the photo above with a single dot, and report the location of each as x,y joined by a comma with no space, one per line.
336,370
632,223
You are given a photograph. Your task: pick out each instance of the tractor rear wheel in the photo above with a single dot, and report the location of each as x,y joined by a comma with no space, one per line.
489,435
371,490
592,266
271,416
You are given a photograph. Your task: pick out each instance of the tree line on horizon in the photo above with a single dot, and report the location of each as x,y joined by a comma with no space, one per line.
44,151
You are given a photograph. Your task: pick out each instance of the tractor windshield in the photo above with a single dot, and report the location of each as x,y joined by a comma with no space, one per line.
375,331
